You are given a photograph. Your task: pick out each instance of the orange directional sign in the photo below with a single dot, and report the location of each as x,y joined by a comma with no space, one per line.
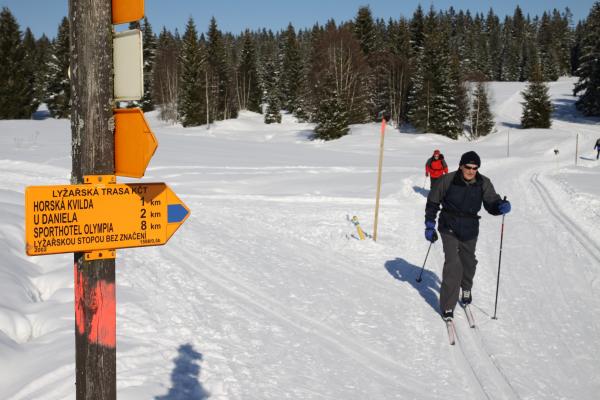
135,143
73,218
124,11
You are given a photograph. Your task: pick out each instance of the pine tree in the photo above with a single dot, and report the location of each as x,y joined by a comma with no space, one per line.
191,101
437,93
149,42
589,66
291,70
481,58
564,40
401,68
537,107
578,36
30,65
42,60
249,94
458,99
16,92
482,120
509,70
493,32
364,30
417,29
166,73
272,96
59,86
331,117
521,39
220,75
547,49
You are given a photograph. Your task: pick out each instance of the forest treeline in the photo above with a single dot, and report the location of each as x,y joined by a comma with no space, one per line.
427,70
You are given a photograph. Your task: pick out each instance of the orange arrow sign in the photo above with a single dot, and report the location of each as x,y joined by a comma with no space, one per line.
73,218
135,143
124,11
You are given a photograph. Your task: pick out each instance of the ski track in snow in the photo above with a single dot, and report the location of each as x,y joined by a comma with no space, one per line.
486,371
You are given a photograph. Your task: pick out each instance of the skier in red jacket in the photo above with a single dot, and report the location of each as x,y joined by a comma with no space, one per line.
435,167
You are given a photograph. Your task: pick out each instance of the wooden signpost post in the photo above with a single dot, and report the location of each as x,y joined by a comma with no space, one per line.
95,215
384,119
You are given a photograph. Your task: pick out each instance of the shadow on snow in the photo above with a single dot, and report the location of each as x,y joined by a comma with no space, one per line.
185,375
421,190
428,288
564,110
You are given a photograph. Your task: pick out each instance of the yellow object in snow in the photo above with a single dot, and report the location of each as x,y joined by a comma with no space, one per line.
361,234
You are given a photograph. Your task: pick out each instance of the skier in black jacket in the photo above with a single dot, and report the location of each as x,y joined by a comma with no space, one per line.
597,147
461,194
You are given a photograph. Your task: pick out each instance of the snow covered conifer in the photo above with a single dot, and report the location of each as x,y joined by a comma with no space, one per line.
30,65
59,85
191,104
537,107
291,70
272,97
332,115
220,75
494,42
436,94
149,41
417,29
547,49
482,120
364,30
42,58
248,91
589,66
16,91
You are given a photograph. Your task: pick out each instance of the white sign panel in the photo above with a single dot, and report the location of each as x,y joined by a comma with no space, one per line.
128,62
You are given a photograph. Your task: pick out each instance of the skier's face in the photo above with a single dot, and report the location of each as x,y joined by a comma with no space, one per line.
469,171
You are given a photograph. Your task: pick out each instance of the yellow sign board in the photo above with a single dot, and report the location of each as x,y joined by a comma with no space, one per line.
74,218
135,143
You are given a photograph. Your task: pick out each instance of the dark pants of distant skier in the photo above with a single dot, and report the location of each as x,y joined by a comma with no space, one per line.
434,182
459,269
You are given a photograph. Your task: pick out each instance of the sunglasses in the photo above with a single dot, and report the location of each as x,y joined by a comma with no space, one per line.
470,168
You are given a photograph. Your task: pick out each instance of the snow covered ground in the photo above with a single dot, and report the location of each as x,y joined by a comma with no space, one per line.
265,292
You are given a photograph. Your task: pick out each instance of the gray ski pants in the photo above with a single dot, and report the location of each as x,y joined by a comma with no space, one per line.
459,269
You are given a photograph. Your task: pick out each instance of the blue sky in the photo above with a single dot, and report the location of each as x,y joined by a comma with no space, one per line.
43,16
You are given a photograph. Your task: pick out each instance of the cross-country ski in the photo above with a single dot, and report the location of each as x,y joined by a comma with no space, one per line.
469,315
451,331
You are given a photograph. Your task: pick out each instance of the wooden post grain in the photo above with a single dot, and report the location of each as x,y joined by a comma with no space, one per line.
92,126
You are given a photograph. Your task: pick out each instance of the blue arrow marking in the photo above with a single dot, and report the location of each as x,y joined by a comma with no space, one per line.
176,213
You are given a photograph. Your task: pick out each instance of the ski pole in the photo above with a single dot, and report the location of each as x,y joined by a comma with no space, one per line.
424,181
421,274
499,261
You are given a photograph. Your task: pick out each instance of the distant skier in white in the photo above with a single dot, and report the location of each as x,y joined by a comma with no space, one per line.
461,194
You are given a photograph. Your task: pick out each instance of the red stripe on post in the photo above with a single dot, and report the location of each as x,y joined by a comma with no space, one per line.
103,326
100,327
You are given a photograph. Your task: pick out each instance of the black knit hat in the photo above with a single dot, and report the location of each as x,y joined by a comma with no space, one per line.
470,157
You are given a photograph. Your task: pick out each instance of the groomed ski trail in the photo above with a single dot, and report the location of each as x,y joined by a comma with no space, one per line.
486,372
